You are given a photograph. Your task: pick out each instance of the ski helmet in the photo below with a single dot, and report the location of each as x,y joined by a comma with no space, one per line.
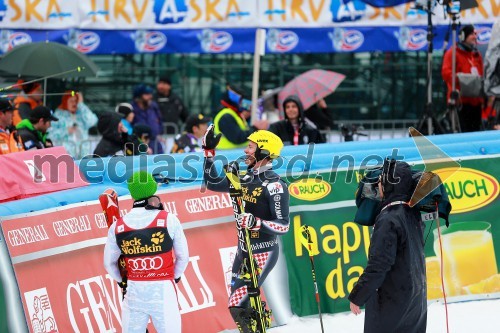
268,144
142,185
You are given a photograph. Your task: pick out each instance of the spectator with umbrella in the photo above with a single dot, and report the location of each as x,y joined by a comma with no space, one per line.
29,97
45,60
311,87
294,130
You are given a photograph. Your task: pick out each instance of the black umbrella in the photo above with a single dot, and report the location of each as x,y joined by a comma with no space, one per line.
46,60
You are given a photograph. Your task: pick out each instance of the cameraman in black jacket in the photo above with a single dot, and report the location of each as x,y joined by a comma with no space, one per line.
393,284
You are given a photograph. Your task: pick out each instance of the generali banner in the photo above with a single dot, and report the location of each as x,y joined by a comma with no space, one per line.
57,257
471,245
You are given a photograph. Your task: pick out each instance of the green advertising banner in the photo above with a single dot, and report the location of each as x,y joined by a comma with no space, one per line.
471,246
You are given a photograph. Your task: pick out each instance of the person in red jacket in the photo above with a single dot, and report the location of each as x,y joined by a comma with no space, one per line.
468,60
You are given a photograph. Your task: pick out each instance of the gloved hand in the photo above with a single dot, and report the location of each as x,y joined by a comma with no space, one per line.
210,141
247,220
177,280
123,284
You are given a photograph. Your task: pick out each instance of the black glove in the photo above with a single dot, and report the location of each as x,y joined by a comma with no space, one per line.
177,280
123,284
210,141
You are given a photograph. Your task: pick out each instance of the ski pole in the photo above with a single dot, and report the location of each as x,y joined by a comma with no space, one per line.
305,229
77,69
73,93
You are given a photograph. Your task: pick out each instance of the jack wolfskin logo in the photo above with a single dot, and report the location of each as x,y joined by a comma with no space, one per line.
158,237
257,192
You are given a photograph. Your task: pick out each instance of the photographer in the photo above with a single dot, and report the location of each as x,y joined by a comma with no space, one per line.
393,284
468,61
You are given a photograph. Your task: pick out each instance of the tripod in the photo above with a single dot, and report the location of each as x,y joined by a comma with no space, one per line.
452,108
428,124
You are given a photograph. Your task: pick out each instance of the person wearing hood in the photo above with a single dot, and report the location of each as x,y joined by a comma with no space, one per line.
115,139
393,284
294,130
232,120
127,112
33,131
468,61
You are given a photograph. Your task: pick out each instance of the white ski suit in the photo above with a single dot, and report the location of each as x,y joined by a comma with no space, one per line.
155,298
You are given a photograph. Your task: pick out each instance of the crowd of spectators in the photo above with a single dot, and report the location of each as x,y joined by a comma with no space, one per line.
140,125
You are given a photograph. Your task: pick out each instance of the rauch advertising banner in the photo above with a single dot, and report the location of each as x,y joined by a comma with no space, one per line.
471,245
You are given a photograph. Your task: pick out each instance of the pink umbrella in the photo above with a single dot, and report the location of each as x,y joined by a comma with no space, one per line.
311,86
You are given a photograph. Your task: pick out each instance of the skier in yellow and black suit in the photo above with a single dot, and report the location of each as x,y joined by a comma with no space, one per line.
266,212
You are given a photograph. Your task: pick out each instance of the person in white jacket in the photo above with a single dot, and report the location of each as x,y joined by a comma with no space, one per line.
148,237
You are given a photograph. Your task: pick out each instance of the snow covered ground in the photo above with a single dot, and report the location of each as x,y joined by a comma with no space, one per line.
465,317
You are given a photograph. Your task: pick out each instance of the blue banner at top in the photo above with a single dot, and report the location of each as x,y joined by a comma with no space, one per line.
292,40
228,26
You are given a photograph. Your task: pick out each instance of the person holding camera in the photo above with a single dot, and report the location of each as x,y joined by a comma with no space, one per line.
75,120
468,61
393,284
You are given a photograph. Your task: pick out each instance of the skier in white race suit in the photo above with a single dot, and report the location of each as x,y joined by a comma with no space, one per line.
148,237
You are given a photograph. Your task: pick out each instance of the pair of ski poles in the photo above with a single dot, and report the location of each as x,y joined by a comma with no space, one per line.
17,85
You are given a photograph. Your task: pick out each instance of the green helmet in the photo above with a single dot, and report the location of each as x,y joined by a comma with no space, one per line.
142,185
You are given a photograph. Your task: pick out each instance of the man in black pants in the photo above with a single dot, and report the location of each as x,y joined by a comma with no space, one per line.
266,216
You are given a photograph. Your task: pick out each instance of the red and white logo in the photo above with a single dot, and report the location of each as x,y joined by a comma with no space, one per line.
275,188
35,172
146,264
41,317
